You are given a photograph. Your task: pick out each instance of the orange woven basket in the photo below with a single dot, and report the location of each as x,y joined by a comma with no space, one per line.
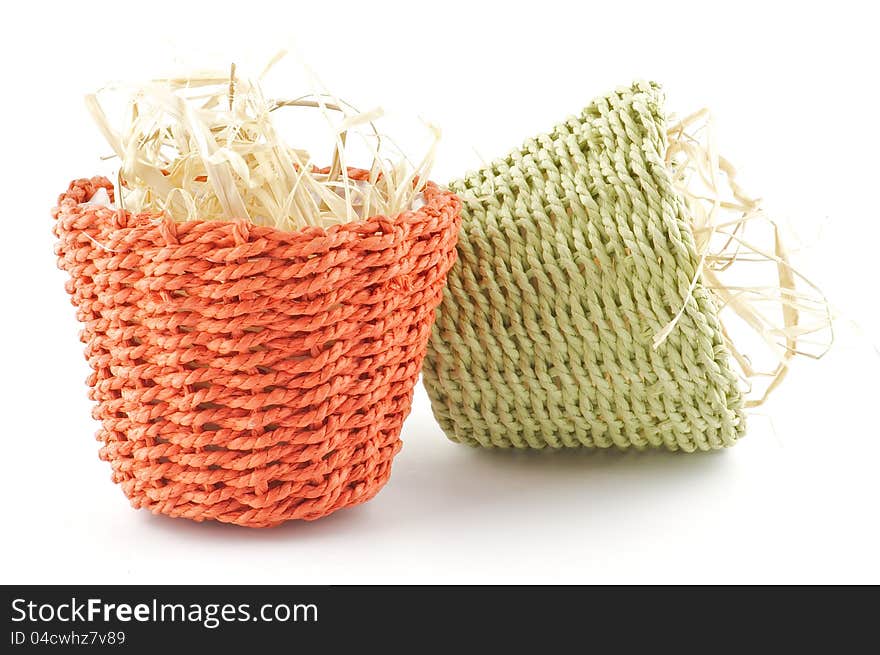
246,374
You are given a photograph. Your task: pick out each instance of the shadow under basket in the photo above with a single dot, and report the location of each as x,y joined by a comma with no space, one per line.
250,375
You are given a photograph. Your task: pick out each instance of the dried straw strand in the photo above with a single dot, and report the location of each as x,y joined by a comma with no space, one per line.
205,146
722,213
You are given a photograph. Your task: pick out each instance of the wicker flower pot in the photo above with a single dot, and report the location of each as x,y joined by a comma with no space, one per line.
245,374
575,251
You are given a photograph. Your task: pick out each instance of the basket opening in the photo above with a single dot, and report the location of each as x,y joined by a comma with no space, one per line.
209,146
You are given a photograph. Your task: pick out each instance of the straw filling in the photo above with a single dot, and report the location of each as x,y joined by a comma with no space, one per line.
205,146
751,276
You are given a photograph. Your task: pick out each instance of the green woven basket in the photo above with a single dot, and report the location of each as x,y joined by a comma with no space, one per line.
575,251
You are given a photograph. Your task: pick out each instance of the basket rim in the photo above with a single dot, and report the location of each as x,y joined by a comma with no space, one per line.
438,201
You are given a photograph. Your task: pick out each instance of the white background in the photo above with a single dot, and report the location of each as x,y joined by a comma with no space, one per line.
794,90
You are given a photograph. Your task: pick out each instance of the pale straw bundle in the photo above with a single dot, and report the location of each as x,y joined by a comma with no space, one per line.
744,262
206,146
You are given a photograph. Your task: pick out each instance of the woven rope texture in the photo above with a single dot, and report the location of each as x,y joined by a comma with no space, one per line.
245,374
574,252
